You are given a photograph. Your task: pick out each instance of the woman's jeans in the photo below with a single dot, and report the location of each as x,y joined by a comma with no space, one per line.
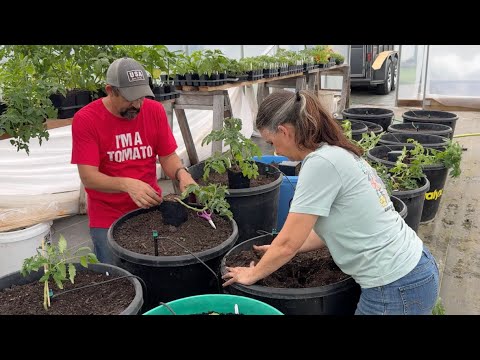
100,245
414,294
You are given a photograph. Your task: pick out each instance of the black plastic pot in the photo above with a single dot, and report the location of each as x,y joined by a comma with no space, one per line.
431,116
380,116
171,277
16,278
422,128
358,128
414,199
399,206
372,127
236,180
253,208
427,140
437,175
340,298
173,213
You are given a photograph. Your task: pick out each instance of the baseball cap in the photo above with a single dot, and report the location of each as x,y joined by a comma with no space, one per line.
130,77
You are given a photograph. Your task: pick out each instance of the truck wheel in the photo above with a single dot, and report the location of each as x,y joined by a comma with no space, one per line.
395,73
384,89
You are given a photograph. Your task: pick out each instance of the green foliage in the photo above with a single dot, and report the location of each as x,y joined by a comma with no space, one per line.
347,128
26,94
438,309
57,260
241,153
338,58
404,176
368,141
451,157
212,197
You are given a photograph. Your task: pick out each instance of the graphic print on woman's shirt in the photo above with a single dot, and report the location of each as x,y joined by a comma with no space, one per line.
376,182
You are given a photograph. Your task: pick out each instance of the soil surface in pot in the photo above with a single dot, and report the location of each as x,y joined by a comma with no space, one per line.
305,270
106,299
196,234
222,179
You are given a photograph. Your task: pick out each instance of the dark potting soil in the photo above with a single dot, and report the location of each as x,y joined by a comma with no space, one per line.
222,179
305,270
104,299
196,234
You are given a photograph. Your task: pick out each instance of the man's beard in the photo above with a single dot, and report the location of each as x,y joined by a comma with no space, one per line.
130,113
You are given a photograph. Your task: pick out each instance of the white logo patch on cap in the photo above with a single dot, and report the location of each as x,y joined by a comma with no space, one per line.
135,75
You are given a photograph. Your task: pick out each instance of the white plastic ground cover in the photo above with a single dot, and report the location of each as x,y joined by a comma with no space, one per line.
47,170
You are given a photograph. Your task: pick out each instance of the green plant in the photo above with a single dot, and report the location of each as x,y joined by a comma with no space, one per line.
451,157
211,196
338,58
438,309
26,93
347,128
240,155
368,141
57,263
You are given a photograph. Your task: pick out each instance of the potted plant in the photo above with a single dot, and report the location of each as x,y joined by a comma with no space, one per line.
174,246
81,288
309,284
251,184
434,163
405,181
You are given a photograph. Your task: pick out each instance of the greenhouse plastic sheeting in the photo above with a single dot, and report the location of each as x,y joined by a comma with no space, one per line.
47,170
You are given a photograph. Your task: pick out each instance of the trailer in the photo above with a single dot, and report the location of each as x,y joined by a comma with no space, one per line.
374,65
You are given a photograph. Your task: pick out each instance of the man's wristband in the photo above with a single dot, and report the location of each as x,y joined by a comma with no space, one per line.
181,168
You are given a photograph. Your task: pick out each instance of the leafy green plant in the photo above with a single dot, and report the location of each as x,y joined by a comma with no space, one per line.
401,176
240,155
438,309
211,196
451,157
347,128
27,97
57,263
368,141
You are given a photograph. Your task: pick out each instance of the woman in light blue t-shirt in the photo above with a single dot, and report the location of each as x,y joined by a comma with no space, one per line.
340,202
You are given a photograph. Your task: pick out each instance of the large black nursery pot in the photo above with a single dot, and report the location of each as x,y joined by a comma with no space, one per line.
427,140
399,206
431,116
372,127
16,278
358,128
171,277
380,116
422,128
253,208
340,298
414,199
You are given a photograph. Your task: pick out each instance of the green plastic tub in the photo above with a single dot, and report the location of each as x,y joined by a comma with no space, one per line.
219,303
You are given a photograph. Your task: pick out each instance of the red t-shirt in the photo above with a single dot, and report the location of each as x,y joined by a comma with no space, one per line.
120,148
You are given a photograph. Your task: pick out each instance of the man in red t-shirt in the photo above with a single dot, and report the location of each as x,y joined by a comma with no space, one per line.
116,140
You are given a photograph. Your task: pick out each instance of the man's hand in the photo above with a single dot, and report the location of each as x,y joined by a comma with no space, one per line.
241,275
142,194
185,179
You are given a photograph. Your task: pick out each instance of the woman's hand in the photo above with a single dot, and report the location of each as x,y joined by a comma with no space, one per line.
261,248
241,275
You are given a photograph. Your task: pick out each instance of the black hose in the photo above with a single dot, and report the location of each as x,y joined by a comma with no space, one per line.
196,257
104,282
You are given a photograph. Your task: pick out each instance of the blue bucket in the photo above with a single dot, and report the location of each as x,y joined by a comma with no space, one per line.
286,189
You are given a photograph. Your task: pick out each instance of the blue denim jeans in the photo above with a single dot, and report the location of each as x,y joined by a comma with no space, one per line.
414,294
100,245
